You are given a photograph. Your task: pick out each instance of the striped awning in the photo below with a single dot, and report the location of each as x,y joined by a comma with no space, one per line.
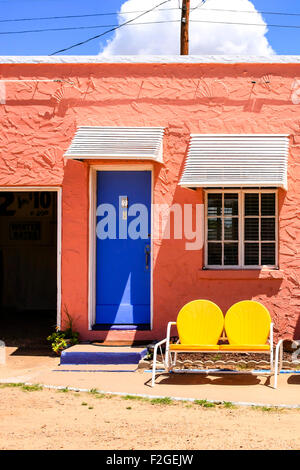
97,142
244,160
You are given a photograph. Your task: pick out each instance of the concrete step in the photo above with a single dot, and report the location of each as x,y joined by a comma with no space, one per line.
94,354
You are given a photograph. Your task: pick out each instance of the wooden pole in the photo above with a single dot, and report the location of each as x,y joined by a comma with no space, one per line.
185,15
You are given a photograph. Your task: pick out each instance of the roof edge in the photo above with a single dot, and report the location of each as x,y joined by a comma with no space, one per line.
149,59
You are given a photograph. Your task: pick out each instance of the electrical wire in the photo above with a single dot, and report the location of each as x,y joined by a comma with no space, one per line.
7,20
116,26
109,30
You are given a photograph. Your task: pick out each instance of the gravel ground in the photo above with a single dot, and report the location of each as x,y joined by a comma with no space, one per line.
46,419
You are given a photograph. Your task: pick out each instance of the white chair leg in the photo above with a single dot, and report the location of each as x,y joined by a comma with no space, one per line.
279,349
154,366
271,360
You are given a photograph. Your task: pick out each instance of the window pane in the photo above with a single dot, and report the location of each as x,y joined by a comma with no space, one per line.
214,204
231,204
268,204
214,253
214,229
251,254
267,229
268,253
251,229
231,229
251,204
231,254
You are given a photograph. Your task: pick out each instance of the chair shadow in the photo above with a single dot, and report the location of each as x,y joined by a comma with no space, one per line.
294,379
200,379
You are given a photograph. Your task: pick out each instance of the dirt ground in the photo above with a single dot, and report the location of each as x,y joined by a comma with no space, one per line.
48,419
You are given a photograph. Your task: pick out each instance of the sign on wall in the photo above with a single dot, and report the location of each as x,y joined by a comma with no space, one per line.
26,204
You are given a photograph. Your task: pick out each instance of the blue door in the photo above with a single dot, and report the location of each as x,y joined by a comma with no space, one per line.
123,249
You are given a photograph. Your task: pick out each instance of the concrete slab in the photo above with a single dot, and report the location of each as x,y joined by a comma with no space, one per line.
242,388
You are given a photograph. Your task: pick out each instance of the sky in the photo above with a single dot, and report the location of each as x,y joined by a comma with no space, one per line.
207,33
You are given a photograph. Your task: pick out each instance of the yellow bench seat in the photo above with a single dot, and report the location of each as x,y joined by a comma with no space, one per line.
194,347
244,347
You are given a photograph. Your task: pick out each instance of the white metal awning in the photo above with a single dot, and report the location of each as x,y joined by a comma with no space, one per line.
226,160
97,142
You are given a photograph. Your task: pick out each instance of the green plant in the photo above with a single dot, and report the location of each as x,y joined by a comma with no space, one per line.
134,397
205,403
162,401
228,404
31,388
61,339
11,385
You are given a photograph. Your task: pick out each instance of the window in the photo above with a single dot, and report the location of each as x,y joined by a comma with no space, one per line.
241,228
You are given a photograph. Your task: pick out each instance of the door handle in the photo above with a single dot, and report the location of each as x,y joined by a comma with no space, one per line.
147,256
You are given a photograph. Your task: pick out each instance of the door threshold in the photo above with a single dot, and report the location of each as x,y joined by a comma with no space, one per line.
121,327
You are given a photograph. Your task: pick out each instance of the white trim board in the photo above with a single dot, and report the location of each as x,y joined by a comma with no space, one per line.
155,59
92,232
58,190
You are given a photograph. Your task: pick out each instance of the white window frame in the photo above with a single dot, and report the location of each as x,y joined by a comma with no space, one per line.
241,218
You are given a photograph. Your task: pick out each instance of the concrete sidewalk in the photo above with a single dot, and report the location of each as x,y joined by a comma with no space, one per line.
243,388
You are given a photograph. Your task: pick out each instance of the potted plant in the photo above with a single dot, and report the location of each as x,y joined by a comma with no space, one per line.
62,339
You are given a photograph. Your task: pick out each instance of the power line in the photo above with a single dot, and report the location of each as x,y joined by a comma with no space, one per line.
141,11
116,26
83,16
110,30
248,24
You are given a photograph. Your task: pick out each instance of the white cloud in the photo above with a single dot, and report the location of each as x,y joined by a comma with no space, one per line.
205,38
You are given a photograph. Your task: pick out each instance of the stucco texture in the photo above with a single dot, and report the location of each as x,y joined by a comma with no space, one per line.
38,121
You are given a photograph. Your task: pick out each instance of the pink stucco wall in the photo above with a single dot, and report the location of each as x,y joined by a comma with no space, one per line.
37,123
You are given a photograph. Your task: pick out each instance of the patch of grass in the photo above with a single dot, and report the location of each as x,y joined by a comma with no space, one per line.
11,385
63,390
32,388
94,391
134,397
161,401
228,404
267,409
205,403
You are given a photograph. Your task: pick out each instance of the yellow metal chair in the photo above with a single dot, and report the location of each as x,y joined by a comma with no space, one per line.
199,324
248,326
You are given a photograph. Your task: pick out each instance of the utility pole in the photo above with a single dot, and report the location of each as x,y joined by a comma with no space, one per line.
185,16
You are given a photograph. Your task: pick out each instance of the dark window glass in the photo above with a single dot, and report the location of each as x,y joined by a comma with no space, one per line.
214,229
251,229
267,204
214,253
214,204
251,204
268,253
231,254
251,254
267,229
231,229
231,204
